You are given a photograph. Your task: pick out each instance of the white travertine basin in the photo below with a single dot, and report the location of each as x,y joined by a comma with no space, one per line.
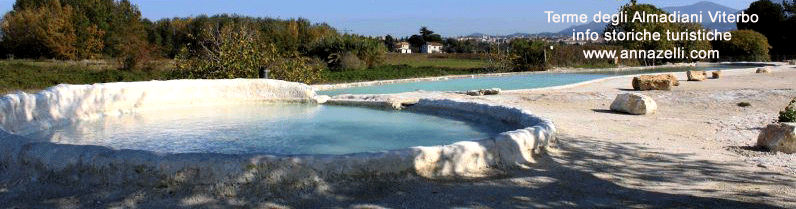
22,114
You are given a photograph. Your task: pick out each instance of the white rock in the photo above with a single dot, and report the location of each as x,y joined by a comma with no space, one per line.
763,70
696,75
634,103
778,137
320,99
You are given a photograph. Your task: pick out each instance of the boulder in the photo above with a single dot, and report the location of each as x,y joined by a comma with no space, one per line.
716,74
791,62
763,70
696,75
634,103
778,137
655,82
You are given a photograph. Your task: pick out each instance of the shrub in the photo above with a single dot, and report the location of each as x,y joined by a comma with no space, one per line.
519,55
333,48
789,114
228,51
298,69
351,62
129,63
138,56
745,45
236,50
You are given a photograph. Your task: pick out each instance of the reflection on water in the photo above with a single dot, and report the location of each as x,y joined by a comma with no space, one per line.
520,81
269,128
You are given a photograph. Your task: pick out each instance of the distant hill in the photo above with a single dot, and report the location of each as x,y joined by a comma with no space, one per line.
517,34
593,26
703,6
706,6
475,35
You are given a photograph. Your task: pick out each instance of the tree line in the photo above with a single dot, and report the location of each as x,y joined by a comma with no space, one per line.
761,41
227,46
114,29
776,20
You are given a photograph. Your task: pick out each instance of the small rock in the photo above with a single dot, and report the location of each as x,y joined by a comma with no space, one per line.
634,103
481,92
475,93
791,62
716,74
778,137
320,99
763,70
492,91
696,75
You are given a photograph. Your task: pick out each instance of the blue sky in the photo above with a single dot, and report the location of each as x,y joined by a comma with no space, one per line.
403,18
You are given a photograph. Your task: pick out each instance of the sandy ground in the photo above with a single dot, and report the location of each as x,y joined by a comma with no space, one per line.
695,152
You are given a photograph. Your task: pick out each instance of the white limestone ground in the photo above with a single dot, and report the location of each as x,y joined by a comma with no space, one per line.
22,113
695,152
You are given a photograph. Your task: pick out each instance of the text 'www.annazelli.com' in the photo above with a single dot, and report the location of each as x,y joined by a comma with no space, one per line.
675,53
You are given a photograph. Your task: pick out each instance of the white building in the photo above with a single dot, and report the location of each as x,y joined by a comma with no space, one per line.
431,47
403,48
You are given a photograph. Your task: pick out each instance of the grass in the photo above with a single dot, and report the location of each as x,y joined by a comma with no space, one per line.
789,114
451,61
34,75
385,72
29,76
595,66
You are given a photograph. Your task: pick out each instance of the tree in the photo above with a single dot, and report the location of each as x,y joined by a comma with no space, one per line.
425,32
429,36
236,50
389,42
745,45
652,27
773,18
346,48
77,29
229,51
518,55
424,35
44,31
416,41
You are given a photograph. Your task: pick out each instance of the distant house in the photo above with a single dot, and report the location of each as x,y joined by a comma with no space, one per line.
403,48
431,47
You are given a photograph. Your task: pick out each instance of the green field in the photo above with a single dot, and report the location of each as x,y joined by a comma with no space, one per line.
34,75
455,61
31,76
386,72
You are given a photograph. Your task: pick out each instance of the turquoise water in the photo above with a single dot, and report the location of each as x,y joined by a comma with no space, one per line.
511,82
283,129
